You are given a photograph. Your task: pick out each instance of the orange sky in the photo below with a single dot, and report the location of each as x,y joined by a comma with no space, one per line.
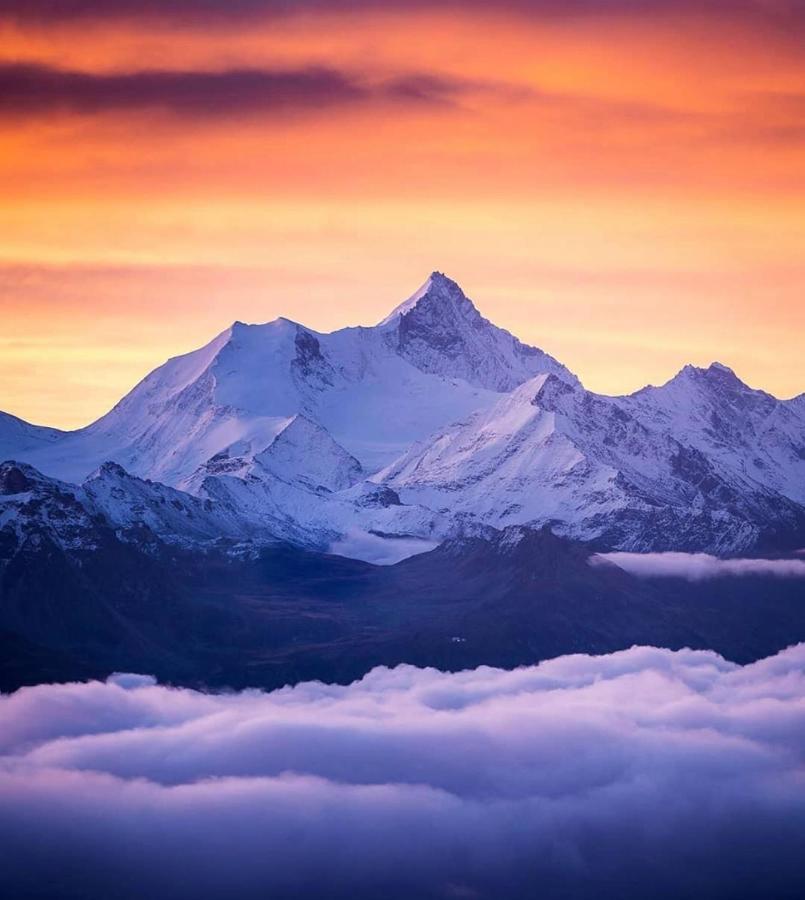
626,191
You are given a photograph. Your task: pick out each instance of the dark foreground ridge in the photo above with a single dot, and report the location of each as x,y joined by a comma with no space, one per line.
211,620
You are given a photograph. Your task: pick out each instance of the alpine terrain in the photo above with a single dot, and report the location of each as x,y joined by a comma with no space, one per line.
381,441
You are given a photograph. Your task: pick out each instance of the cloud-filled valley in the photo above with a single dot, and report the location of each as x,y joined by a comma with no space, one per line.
699,566
583,776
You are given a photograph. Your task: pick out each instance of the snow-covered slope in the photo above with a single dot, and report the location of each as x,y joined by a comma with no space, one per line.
145,509
625,472
376,390
237,514
745,433
304,452
72,517
304,487
300,451
432,420
796,404
20,438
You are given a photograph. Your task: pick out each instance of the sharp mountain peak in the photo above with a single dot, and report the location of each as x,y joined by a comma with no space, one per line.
437,292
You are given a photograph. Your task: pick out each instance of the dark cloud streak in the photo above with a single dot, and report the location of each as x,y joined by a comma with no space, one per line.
200,12
27,90
784,14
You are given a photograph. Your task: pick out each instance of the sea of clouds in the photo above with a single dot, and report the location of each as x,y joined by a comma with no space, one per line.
644,773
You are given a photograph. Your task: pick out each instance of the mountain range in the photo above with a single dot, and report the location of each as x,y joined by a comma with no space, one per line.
283,504
386,440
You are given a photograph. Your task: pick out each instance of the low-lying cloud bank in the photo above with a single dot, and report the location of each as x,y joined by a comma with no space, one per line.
699,566
645,772
371,548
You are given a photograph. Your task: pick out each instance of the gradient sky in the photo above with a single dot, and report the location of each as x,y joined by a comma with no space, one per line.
619,182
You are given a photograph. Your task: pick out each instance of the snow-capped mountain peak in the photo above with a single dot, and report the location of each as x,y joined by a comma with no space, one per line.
440,295
307,436
719,368
439,330
549,391
744,431
714,374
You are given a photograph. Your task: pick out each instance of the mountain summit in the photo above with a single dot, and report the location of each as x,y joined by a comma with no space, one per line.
439,299
439,330
438,285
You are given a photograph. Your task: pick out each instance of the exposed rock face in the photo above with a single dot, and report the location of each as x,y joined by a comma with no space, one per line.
13,480
439,330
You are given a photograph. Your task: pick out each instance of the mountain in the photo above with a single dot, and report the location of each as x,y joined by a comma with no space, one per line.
703,463
382,440
745,432
235,394
303,451
37,510
238,514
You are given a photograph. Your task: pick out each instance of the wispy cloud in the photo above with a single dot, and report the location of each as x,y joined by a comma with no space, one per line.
31,89
581,777
382,551
699,566
189,12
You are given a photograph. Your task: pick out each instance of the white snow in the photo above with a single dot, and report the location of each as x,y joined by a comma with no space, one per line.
408,304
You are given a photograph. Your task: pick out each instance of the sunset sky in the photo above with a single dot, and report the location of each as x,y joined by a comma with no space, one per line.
621,183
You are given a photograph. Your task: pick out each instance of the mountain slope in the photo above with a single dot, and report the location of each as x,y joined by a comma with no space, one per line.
432,361
609,470
303,451
745,432
35,509
18,438
235,514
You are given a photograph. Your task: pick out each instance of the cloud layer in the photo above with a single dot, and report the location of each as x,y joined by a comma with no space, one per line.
699,566
188,12
674,772
359,544
29,89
